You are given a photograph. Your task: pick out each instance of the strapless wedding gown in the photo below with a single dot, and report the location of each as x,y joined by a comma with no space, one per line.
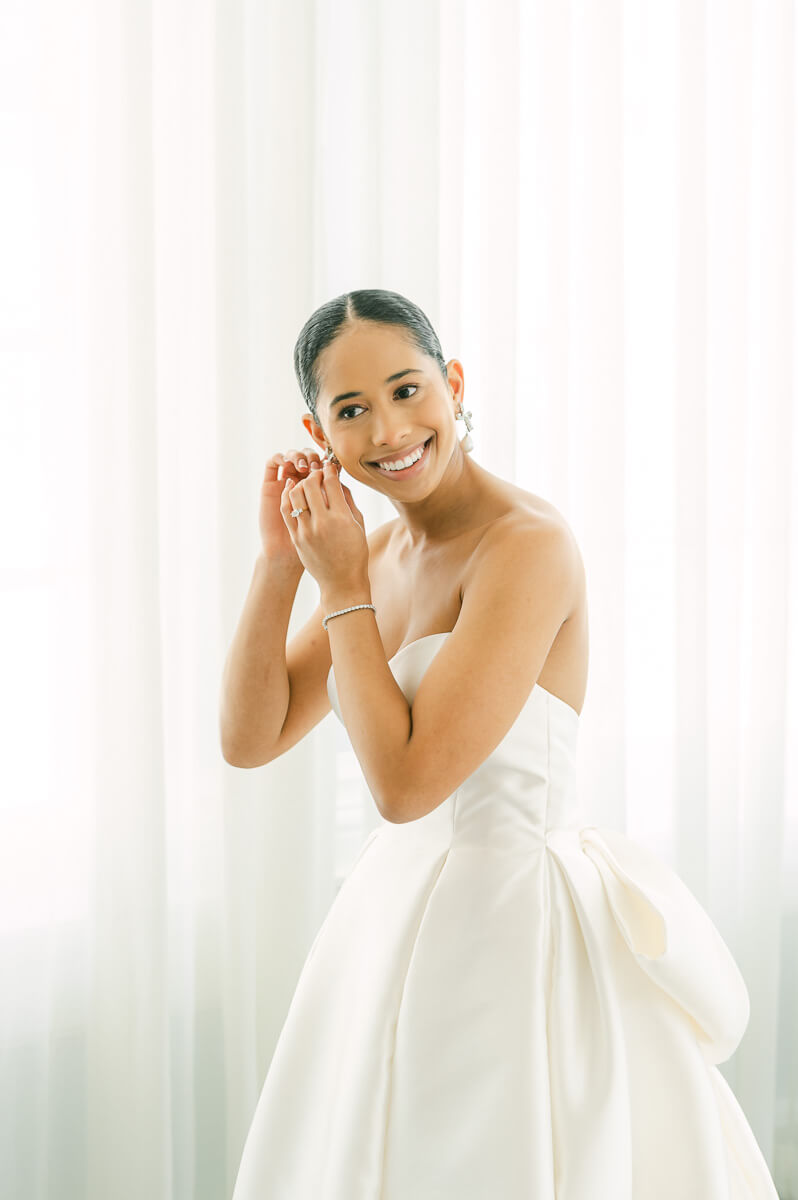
506,1003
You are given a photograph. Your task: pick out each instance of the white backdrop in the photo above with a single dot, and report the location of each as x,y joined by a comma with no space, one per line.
595,205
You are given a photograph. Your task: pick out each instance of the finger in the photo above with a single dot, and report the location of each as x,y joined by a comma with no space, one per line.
281,464
296,459
333,486
297,463
316,471
297,498
300,461
286,506
272,470
313,484
288,503
304,459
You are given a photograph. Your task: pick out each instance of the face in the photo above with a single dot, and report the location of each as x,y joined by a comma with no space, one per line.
390,418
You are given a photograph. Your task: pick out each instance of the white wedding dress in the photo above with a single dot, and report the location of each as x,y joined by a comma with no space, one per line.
505,1003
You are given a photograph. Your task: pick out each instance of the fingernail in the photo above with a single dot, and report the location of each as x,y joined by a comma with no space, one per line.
303,462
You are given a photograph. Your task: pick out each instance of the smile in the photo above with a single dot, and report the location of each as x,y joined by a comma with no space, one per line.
412,469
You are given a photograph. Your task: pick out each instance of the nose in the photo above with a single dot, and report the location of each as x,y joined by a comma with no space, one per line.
390,431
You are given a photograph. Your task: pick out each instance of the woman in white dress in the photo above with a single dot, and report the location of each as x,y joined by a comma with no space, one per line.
503,1001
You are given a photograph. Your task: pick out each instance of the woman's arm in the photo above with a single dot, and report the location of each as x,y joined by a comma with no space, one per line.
254,693
520,591
524,586
373,706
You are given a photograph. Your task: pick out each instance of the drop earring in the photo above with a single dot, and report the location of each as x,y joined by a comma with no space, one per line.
467,442
330,456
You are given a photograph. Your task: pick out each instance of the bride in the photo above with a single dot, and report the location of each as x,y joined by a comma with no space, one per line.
502,1001
468,552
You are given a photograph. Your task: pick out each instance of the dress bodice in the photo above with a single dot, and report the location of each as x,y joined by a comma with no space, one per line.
526,787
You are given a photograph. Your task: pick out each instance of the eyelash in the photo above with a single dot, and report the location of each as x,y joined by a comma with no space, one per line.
403,388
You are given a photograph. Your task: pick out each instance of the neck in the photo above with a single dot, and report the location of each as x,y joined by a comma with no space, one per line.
459,502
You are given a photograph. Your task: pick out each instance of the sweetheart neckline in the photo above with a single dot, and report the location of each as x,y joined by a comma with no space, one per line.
445,633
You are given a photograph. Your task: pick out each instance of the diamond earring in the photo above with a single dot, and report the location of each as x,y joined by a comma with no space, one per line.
467,442
330,456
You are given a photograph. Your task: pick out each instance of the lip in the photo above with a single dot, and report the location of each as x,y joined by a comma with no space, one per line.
408,471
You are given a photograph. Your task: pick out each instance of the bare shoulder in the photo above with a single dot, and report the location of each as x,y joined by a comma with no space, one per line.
535,528
520,589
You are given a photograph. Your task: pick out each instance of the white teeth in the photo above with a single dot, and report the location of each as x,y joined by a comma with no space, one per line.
402,463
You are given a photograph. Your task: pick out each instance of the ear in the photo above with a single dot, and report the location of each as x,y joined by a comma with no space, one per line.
316,432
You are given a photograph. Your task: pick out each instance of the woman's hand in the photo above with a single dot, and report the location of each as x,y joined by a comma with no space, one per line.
329,537
274,536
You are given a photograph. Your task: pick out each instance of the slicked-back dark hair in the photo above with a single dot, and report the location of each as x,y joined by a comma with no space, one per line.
334,317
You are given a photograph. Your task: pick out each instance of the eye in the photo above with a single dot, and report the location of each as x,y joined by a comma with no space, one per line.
351,407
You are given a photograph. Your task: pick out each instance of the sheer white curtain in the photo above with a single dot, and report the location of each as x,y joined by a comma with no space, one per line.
595,205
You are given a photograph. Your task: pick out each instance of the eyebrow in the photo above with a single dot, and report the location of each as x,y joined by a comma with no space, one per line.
390,379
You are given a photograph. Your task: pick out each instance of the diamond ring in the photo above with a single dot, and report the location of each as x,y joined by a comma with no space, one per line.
296,511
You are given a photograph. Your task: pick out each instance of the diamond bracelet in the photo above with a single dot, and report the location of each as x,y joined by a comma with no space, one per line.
345,610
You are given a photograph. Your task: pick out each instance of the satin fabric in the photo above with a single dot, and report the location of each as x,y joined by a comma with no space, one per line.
506,1002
